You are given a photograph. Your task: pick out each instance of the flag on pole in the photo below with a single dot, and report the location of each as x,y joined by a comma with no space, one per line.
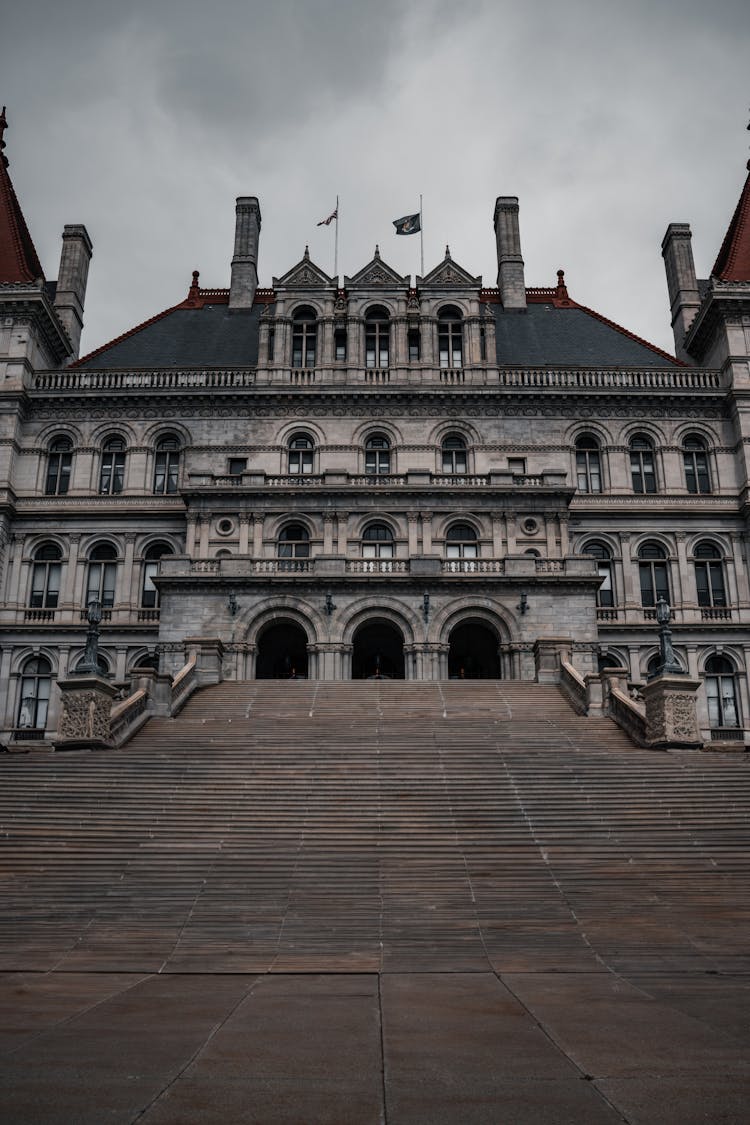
333,215
409,224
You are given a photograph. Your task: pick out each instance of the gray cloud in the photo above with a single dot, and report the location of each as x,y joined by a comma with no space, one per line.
144,122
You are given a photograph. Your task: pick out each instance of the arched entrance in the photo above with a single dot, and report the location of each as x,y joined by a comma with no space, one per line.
473,654
378,652
282,652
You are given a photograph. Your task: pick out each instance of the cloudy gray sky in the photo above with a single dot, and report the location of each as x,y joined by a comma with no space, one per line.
145,120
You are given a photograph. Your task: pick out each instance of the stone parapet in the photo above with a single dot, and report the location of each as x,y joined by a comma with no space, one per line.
671,714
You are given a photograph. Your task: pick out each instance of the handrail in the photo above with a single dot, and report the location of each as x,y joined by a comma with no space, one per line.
574,686
627,715
124,716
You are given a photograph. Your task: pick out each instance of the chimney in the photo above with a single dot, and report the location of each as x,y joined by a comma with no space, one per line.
510,278
71,281
677,252
245,260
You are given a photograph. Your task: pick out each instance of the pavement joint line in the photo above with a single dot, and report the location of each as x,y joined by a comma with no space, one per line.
199,1049
590,1078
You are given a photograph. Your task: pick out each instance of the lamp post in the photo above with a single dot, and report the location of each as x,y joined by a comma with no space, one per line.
90,663
668,664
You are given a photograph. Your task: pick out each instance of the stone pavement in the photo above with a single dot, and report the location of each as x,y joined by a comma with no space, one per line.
484,909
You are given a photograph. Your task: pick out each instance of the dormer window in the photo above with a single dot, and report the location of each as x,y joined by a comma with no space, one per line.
304,338
450,338
377,338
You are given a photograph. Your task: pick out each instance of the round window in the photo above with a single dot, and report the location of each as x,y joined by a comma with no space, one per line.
530,526
225,526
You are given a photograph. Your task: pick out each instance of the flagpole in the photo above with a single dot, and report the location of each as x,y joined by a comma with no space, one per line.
421,236
336,246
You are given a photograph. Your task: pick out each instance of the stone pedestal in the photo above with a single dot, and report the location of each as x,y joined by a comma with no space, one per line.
549,652
208,653
86,703
671,714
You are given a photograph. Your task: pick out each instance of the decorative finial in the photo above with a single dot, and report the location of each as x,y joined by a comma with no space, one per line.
306,255
377,252
447,252
3,127
561,290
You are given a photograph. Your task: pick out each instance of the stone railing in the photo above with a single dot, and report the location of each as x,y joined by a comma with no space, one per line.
473,566
183,685
295,480
644,378
377,566
628,715
377,480
127,717
143,380
459,480
573,685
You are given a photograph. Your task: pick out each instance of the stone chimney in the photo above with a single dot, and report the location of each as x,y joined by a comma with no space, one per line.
677,252
510,279
71,282
245,260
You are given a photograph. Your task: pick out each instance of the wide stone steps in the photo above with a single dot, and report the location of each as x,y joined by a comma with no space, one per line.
375,825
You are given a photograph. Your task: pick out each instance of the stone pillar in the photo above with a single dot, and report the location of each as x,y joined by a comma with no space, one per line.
205,526
257,536
208,653
327,534
548,654
426,532
70,596
128,590
413,533
83,724
671,713
497,535
342,520
510,524
244,543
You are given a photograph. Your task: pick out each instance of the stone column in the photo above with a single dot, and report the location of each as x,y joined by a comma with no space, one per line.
127,586
413,532
342,520
327,534
244,543
497,535
205,526
510,524
682,571
257,536
426,532
71,594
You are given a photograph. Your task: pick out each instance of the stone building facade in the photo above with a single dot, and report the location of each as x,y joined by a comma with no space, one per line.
375,475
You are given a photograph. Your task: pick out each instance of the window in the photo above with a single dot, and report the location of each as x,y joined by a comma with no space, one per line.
450,338
271,343
721,693
377,455
45,577
339,344
709,575
652,566
695,460
588,464
237,466
59,461
149,593
112,477
300,458
377,542
166,465
377,338
605,595
454,454
304,338
642,470
33,702
517,466
415,347
102,575
607,660
461,543
294,542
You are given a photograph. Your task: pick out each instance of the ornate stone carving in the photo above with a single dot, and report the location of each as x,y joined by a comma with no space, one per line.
85,715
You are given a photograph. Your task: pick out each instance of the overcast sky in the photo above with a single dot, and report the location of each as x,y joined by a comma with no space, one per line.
145,120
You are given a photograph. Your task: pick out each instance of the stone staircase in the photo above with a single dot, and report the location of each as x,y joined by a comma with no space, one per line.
368,826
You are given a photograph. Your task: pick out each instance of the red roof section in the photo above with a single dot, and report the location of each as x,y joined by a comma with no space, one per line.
18,258
733,262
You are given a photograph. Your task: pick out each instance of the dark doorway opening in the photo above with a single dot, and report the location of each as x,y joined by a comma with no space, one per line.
378,652
473,654
282,653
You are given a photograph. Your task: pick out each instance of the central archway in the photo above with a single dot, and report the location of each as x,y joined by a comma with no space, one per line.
378,652
282,652
473,652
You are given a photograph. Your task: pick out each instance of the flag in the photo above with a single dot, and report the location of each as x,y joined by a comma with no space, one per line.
410,224
333,215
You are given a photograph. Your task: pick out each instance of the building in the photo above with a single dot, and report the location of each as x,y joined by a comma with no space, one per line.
421,479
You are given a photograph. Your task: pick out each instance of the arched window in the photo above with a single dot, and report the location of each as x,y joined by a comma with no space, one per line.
377,338
59,462
454,454
377,542
294,542
695,460
300,455
461,542
450,338
34,691
148,660
45,577
304,338
377,455
102,575
605,595
607,660
112,475
652,566
709,575
588,464
149,593
166,465
642,471
721,693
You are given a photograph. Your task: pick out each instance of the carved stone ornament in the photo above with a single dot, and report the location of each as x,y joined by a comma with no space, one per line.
84,722
671,714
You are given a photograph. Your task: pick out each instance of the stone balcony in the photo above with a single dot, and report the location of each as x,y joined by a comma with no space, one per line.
549,480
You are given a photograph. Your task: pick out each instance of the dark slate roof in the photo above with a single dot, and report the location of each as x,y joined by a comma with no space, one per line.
18,258
733,262
207,336
577,337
